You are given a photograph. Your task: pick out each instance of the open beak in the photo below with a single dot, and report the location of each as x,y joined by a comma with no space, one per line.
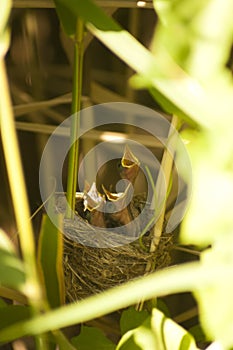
94,202
130,165
119,207
92,199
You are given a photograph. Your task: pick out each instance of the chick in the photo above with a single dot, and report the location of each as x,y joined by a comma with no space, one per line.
94,202
117,212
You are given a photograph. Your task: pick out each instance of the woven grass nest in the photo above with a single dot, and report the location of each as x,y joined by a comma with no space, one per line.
90,270
99,251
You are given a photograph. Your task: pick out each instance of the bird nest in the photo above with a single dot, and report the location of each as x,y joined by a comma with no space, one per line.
92,266
108,242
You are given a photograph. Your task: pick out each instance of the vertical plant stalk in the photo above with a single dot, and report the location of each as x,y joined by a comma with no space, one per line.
75,121
20,203
166,173
17,186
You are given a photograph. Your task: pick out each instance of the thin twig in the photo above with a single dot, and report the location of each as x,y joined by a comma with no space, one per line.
165,172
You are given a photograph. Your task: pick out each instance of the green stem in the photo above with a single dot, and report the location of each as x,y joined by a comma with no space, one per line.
75,122
18,192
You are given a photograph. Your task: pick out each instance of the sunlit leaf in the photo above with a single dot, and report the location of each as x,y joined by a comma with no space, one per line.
157,332
164,74
141,337
199,46
50,258
216,298
172,280
92,338
209,214
172,335
5,7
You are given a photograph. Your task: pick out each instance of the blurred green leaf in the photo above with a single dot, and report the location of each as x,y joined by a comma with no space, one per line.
12,272
141,82
215,298
172,280
209,214
92,338
170,334
132,318
68,18
11,314
2,303
197,333
6,243
157,332
163,74
5,7
50,260
138,338
200,47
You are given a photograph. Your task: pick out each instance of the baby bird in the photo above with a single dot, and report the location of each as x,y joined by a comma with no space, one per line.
94,202
117,213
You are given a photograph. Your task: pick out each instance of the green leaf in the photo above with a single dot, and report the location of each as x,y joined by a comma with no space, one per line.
172,335
216,298
2,303
11,314
157,332
212,188
141,82
163,74
92,338
12,272
202,103
131,318
197,333
172,280
5,7
50,260
6,243
138,339
67,18
200,47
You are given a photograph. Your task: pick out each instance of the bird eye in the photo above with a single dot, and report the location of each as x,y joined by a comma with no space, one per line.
119,165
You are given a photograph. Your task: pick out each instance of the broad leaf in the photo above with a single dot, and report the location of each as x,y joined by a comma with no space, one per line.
163,73
157,332
67,17
215,298
92,338
11,314
131,318
210,213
